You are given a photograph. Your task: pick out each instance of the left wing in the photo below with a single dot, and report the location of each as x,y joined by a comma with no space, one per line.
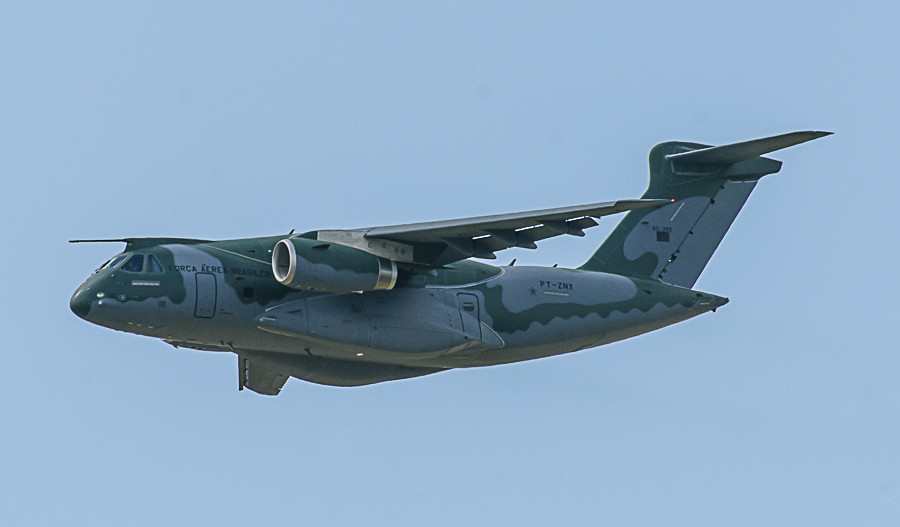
441,242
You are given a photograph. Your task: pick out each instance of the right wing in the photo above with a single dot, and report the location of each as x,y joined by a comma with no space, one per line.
438,243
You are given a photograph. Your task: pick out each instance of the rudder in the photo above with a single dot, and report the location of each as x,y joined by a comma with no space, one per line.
708,186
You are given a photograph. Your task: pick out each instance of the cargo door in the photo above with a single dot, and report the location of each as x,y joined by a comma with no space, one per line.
205,305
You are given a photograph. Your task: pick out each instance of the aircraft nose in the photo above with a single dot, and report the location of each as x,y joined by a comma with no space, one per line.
80,303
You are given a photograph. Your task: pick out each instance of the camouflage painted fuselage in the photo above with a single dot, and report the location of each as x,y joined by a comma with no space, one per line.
353,307
221,296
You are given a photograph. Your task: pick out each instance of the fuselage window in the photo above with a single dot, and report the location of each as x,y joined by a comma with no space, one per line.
135,264
153,265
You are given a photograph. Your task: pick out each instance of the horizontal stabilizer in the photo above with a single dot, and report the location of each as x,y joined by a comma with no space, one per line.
734,153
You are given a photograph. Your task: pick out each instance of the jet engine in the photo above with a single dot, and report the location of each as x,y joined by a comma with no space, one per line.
302,263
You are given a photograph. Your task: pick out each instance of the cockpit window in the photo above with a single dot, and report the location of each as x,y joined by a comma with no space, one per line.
135,264
112,262
153,265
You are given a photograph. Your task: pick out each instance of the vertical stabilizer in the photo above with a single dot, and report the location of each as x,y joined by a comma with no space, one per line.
708,185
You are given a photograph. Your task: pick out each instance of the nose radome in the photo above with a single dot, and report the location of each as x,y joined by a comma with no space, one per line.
80,303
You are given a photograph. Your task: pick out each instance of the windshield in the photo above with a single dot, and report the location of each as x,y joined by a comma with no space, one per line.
112,262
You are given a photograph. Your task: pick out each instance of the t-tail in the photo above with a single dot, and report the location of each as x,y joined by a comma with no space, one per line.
707,186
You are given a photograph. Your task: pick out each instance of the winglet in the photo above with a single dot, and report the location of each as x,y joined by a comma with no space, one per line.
736,152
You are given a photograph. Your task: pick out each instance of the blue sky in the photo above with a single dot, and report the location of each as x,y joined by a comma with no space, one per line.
215,121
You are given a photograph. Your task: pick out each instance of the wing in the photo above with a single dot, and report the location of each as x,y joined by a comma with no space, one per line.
441,242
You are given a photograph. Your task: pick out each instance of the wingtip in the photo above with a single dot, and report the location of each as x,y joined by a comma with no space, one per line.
804,135
809,135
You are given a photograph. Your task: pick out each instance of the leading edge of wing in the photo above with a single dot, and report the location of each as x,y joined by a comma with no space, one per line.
474,226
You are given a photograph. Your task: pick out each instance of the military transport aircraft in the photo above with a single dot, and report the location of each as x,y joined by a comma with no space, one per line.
356,307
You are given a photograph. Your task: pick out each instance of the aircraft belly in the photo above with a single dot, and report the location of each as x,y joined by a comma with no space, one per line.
322,370
401,326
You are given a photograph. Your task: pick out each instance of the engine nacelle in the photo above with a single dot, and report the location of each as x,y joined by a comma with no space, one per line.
302,263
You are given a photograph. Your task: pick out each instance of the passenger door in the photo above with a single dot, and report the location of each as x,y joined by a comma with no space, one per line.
469,313
205,305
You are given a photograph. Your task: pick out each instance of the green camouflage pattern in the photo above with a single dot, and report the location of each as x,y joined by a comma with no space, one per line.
222,295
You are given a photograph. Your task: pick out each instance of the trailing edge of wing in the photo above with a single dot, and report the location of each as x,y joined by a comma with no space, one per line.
441,242
736,152
436,231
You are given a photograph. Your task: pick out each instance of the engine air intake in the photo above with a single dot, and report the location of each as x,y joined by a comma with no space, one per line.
301,263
